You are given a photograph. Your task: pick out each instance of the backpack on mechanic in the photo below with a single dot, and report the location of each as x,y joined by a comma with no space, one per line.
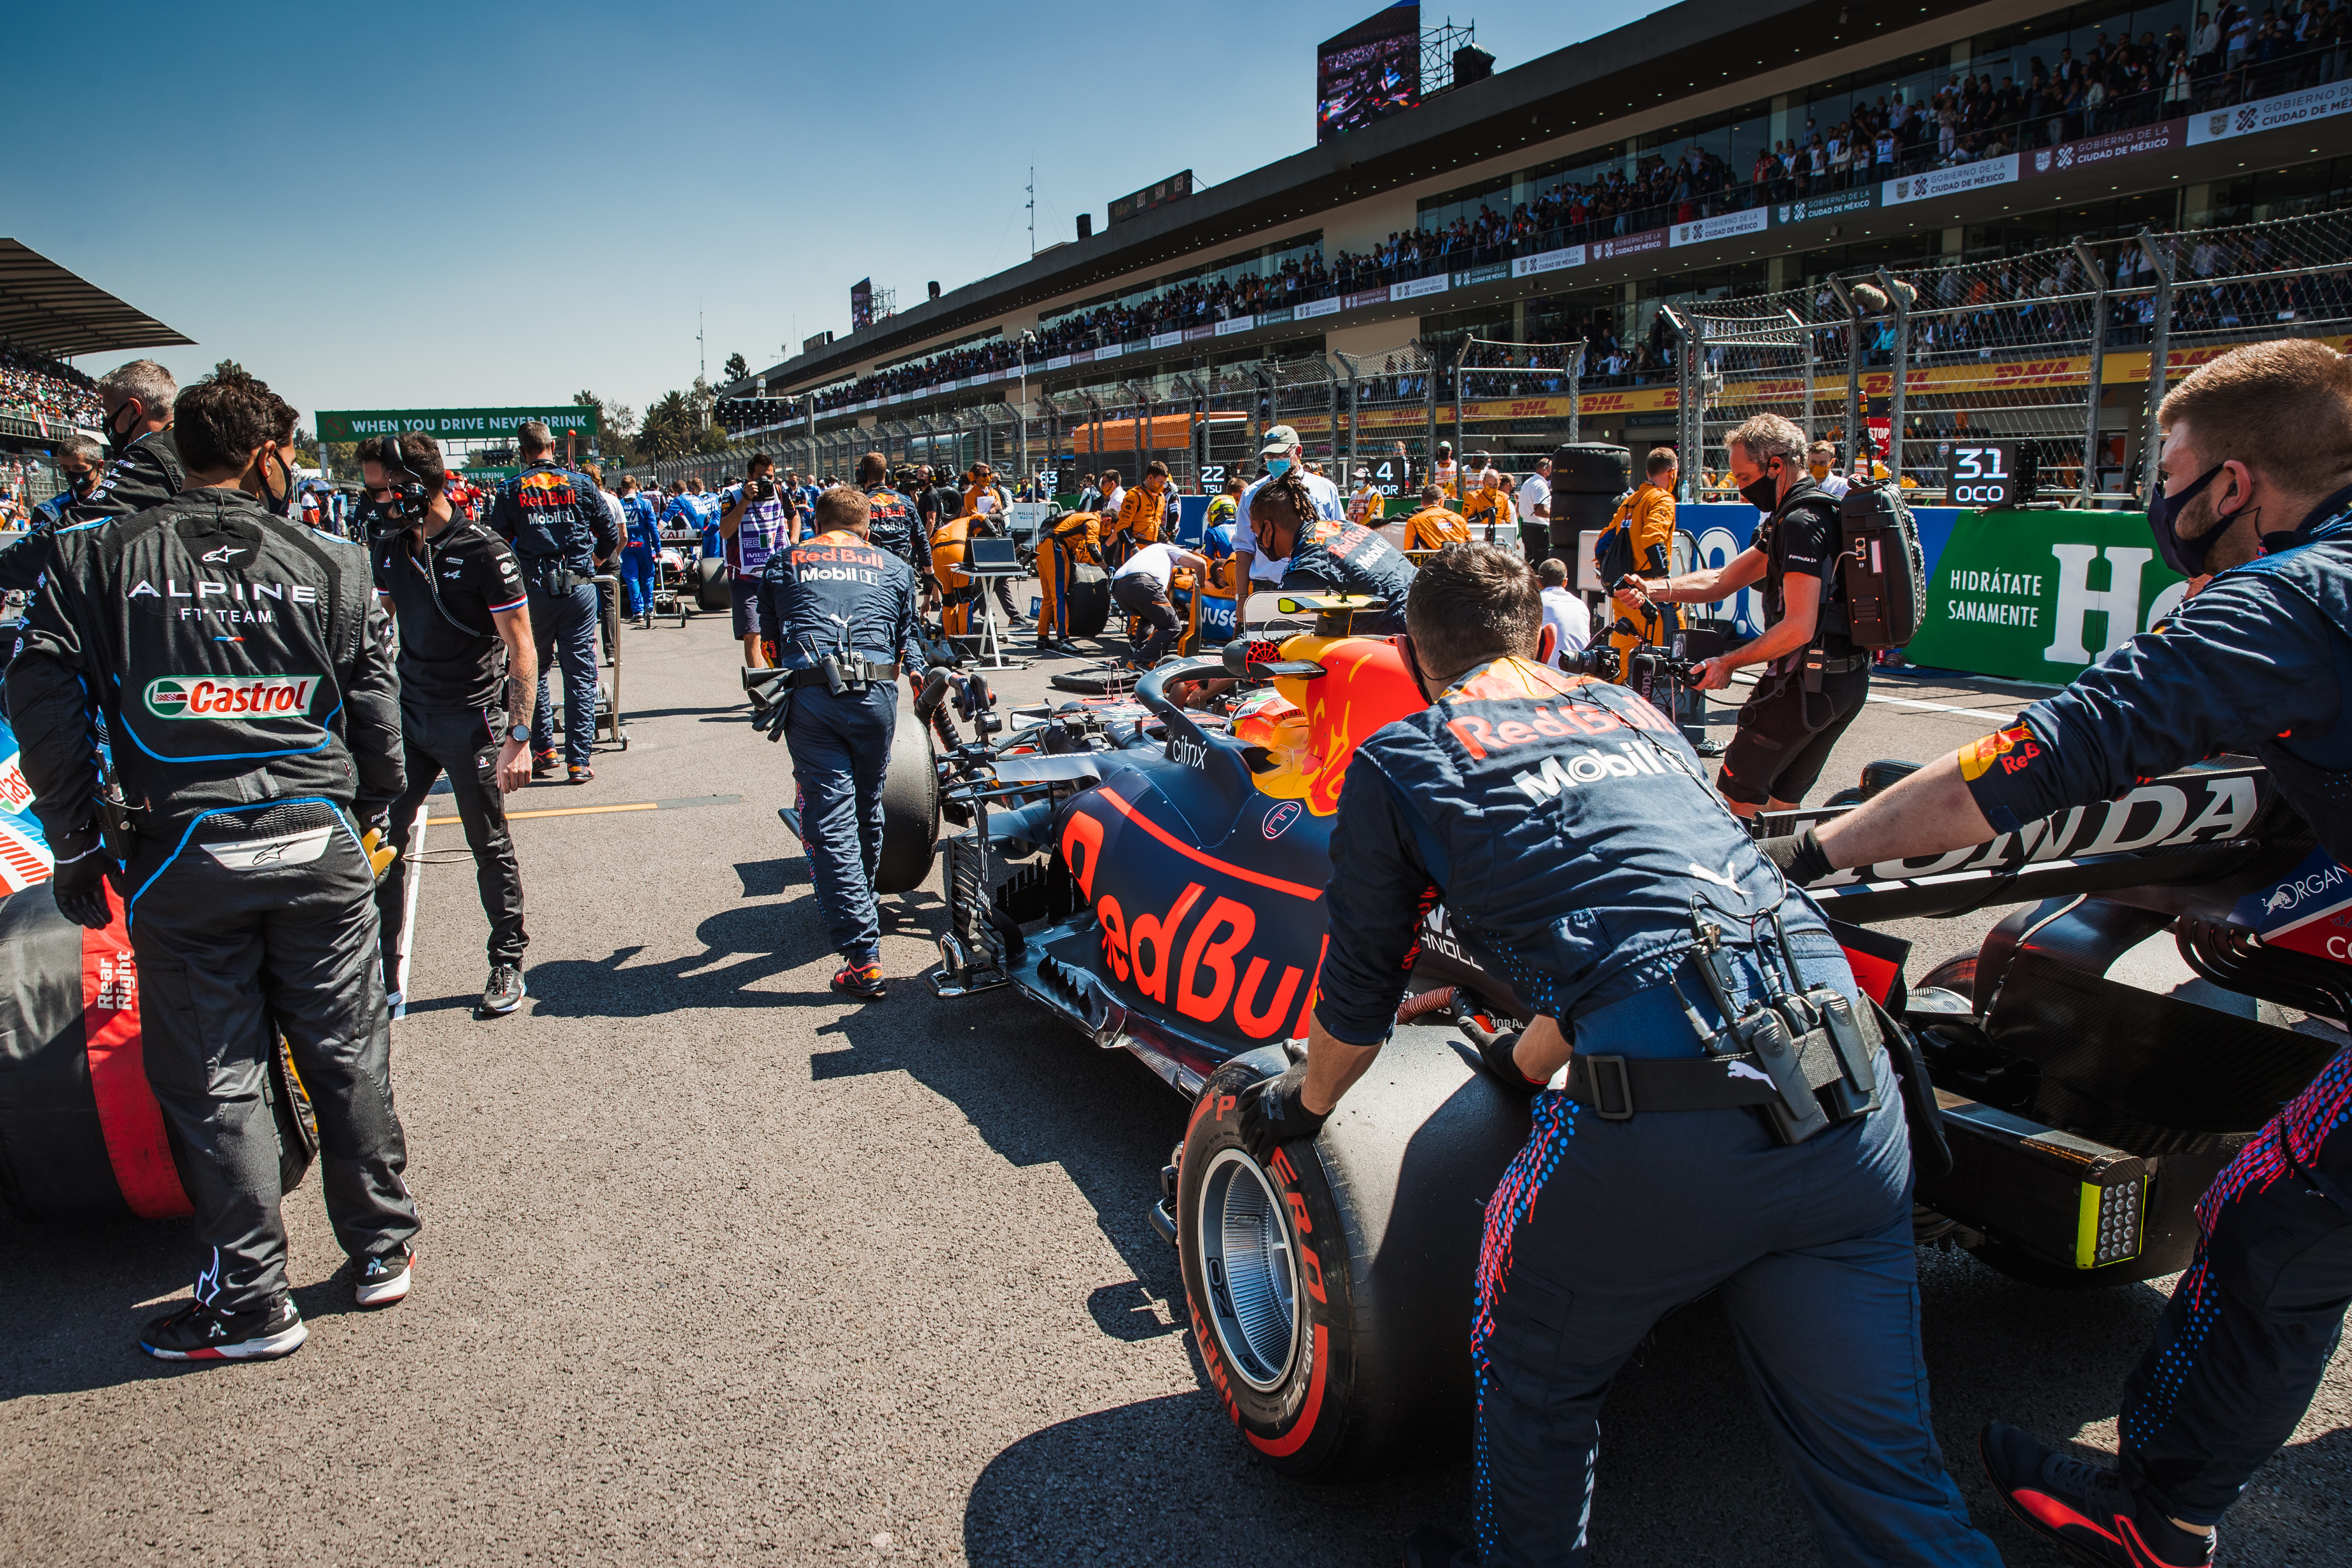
1883,567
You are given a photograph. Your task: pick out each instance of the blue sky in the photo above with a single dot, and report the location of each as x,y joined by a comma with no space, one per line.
436,206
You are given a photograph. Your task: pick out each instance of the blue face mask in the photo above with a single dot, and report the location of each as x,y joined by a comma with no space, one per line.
1276,467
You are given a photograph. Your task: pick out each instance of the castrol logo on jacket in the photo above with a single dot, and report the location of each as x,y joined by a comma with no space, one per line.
231,696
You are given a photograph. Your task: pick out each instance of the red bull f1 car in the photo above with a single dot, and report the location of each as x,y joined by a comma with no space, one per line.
1149,867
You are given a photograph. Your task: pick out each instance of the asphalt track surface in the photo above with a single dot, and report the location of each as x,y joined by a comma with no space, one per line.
718,1268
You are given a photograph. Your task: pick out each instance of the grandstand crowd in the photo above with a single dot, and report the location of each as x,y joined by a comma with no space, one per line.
2224,57
30,384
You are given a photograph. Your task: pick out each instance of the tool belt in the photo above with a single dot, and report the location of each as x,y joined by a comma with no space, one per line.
835,673
552,576
1806,1058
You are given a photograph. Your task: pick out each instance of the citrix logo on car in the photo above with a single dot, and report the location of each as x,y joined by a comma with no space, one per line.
231,696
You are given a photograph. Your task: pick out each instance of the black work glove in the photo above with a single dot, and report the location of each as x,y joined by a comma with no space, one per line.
1800,857
79,885
1271,1115
1495,1055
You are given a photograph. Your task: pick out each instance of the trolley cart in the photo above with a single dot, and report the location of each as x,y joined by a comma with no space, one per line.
608,691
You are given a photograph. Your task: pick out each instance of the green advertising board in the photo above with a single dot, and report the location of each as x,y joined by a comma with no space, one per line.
2042,596
452,424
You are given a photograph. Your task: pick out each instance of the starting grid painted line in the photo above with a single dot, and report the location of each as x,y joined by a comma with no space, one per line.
680,805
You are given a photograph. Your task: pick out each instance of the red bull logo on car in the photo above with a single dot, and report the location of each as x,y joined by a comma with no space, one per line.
231,696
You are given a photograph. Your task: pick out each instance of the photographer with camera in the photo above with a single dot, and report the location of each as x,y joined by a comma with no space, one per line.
1815,681
456,594
244,669
555,519
756,520
1726,1122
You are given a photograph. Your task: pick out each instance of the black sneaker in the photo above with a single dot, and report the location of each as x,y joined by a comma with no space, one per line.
544,764
381,1281
194,1332
2084,1506
864,980
505,990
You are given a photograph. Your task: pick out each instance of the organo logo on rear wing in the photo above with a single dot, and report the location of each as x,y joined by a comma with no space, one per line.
2177,828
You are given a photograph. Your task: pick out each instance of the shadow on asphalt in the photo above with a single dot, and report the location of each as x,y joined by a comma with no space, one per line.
70,1313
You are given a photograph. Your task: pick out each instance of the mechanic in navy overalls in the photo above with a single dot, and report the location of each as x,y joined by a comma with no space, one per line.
1328,557
1572,835
844,611
555,518
2257,491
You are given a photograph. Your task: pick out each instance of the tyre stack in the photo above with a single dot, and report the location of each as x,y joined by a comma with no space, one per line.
1588,479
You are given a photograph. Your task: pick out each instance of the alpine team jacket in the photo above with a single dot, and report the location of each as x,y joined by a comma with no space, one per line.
1350,560
2259,661
554,515
838,593
232,657
147,474
1566,824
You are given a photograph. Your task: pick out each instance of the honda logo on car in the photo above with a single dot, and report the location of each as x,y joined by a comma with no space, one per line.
230,696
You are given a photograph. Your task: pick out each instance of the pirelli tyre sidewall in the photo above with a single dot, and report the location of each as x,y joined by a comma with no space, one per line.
910,806
1293,1410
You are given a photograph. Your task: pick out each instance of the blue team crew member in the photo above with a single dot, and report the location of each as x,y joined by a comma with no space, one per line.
1570,832
692,512
2257,491
847,625
555,518
641,553
1327,557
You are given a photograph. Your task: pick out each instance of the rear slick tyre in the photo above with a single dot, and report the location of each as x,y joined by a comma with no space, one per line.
1330,1287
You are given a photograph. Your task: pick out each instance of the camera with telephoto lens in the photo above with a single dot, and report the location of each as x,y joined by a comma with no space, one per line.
1641,667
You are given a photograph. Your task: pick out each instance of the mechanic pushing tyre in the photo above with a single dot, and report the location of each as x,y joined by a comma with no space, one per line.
1319,1280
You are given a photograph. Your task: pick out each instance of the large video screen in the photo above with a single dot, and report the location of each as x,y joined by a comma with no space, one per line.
1368,72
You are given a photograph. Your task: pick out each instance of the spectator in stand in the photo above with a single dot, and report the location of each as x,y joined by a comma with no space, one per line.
1570,621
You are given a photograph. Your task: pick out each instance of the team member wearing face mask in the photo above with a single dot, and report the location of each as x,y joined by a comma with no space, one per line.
1801,706
146,471
2256,491
245,670
1141,512
1282,454
79,462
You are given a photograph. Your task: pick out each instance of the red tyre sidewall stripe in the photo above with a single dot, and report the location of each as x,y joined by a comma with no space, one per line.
1290,1442
127,1117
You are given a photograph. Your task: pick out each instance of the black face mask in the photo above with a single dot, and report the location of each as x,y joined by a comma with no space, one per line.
2186,556
278,494
1764,495
118,440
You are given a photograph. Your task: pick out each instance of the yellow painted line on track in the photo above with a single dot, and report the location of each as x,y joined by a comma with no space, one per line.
599,810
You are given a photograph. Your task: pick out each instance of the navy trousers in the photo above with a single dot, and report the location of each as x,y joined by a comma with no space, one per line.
1600,1229
563,624
841,750
2254,1323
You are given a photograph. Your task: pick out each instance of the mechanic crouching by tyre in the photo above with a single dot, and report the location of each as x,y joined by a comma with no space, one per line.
844,614
1815,680
555,519
2256,491
1693,1140
245,672
458,597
